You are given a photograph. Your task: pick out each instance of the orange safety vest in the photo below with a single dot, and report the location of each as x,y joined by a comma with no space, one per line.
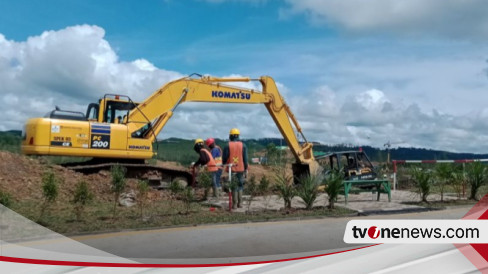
235,156
211,163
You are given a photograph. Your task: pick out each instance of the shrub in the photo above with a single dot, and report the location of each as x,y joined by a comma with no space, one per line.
188,198
205,181
285,187
252,190
175,189
264,189
5,199
477,175
423,181
143,189
333,183
118,183
49,190
81,197
308,190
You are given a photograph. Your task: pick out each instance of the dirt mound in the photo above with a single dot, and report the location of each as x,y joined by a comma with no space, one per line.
21,176
171,165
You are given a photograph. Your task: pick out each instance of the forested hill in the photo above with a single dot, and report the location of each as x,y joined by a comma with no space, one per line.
10,140
380,154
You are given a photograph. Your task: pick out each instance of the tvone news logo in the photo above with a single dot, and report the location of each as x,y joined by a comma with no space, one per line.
416,231
373,232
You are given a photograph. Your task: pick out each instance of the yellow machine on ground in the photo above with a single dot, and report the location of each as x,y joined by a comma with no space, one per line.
119,129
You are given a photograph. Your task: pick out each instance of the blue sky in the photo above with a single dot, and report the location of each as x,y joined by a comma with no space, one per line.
361,72
172,34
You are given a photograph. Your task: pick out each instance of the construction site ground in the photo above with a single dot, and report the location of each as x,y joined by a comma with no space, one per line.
364,203
21,177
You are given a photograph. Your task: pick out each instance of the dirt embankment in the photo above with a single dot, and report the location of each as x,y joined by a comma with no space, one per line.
21,177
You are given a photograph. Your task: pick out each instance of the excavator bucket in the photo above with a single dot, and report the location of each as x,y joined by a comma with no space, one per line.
299,170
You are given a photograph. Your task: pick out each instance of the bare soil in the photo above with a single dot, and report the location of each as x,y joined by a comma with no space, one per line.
21,177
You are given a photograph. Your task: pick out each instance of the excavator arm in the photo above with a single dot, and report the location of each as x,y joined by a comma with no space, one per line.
159,107
117,128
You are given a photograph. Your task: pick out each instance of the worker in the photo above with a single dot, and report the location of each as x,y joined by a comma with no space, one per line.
216,152
235,153
205,158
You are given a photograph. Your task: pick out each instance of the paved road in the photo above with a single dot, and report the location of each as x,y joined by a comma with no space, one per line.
242,240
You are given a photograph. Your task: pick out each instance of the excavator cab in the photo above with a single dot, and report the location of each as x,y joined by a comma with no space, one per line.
355,164
110,109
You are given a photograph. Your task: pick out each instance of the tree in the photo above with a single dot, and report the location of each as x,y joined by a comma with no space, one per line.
477,175
458,181
285,187
272,153
443,174
118,183
81,197
308,190
423,181
333,183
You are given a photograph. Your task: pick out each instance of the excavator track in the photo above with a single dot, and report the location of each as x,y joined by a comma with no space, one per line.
157,176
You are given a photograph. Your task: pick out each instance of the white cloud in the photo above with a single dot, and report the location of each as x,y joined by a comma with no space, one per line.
76,65
451,18
69,68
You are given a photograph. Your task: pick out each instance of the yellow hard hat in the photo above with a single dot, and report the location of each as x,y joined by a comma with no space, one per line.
234,131
198,141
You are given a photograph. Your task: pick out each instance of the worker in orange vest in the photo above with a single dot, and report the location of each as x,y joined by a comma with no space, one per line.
205,158
235,153
216,152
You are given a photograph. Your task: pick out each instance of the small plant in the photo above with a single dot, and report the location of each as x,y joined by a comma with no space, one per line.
443,174
175,189
205,181
118,183
477,176
264,190
188,198
81,197
308,190
142,190
333,183
252,189
5,198
423,181
49,190
285,187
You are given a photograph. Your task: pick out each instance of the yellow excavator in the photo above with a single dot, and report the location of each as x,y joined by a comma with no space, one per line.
118,130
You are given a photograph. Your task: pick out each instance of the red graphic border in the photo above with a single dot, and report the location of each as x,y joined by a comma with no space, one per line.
141,265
